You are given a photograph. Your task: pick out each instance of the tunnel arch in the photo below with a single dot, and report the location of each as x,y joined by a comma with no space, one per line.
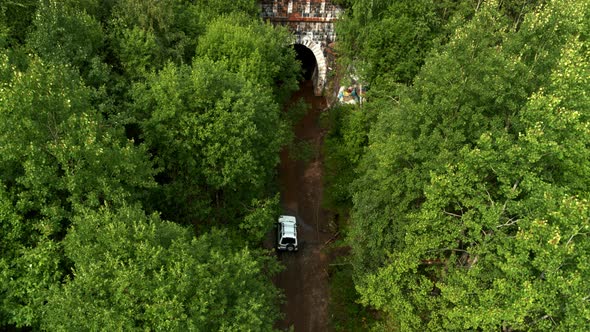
319,79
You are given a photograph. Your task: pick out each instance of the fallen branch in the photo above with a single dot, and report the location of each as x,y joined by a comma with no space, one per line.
339,264
332,238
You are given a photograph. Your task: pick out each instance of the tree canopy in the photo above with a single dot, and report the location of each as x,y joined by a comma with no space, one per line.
470,208
137,272
215,135
139,142
137,166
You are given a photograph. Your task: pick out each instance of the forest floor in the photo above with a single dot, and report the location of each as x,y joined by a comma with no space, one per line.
305,278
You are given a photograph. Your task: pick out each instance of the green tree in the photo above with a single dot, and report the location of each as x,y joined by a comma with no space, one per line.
66,33
391,39
15,20
385,40
57,154
148,34
344,147
473,196
216,138
79,77
256,50
214,8
145,35
137,272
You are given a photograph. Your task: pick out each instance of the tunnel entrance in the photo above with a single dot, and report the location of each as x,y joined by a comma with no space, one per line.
308,61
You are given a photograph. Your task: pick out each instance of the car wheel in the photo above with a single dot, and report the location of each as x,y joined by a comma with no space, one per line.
290,247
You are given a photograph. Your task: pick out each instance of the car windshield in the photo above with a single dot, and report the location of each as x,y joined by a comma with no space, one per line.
288,240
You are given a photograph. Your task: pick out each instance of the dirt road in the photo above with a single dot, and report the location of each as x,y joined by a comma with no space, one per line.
305,278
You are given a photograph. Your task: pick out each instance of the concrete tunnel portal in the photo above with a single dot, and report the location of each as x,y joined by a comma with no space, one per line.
312,26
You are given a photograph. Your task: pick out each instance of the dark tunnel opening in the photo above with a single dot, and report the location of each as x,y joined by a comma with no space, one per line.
307,59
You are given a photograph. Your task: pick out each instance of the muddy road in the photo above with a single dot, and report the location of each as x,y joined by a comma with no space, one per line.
305,278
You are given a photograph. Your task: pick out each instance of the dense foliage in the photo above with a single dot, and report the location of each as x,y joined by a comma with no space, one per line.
138,144
138,272
470,210
139,140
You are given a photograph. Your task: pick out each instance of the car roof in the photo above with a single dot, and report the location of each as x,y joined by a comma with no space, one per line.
289,230
289,225
287,219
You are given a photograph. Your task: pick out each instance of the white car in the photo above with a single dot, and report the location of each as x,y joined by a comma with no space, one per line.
287,233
